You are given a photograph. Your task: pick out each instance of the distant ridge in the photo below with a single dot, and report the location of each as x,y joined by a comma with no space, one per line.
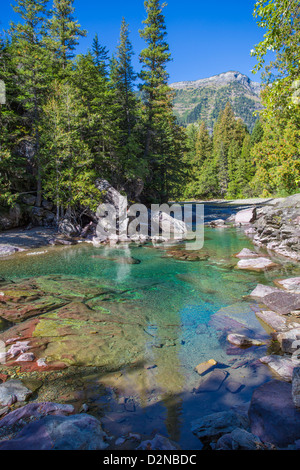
203,99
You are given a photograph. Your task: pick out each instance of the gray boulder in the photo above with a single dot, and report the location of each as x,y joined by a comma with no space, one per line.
76,432
273,415
213,426
13,391
240,439
282,302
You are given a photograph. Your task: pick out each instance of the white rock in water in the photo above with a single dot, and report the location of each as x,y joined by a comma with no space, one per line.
261,291
291,285
246,216
242,341
168,224
246,253
256,264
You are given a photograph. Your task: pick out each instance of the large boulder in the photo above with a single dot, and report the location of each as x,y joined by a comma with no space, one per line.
213,426
273,415
76,432
13,391
277,227
282,302
246,216
12,218
281,365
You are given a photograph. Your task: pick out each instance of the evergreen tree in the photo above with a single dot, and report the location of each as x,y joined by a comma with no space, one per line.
163,157
31,60
127,139
13,175
100,55
70,176
64,32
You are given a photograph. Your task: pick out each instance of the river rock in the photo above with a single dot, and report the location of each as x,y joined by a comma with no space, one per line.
242,341
261,291
67,228
18,418
168,225
281,365
273,415
12,391
272,320
205,366
7,250
256,264
282,302
246,216
233,386
26,357
158,443
76,432
291,285
246,253
277,227
289,340
212,382
217,223
213,426
240,439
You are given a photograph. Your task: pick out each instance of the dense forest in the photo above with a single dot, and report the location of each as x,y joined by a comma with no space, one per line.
70,119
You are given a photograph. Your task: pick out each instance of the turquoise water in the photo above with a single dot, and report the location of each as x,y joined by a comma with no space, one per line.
179,301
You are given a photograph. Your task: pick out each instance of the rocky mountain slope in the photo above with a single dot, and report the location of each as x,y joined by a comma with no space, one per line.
204,99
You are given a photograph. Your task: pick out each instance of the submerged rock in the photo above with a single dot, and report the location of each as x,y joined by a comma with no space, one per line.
76,432
119,260
186,255
212,382
240,439
273,415
158,443
32,411
213,426
205,366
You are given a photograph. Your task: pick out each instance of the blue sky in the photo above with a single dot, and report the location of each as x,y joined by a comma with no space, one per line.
206,37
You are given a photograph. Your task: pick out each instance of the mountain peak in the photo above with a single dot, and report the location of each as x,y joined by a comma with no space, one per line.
219,80
202,100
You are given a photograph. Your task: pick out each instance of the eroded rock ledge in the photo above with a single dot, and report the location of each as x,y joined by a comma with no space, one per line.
277,227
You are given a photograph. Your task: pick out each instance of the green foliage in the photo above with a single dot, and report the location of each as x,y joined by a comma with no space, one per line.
276,152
